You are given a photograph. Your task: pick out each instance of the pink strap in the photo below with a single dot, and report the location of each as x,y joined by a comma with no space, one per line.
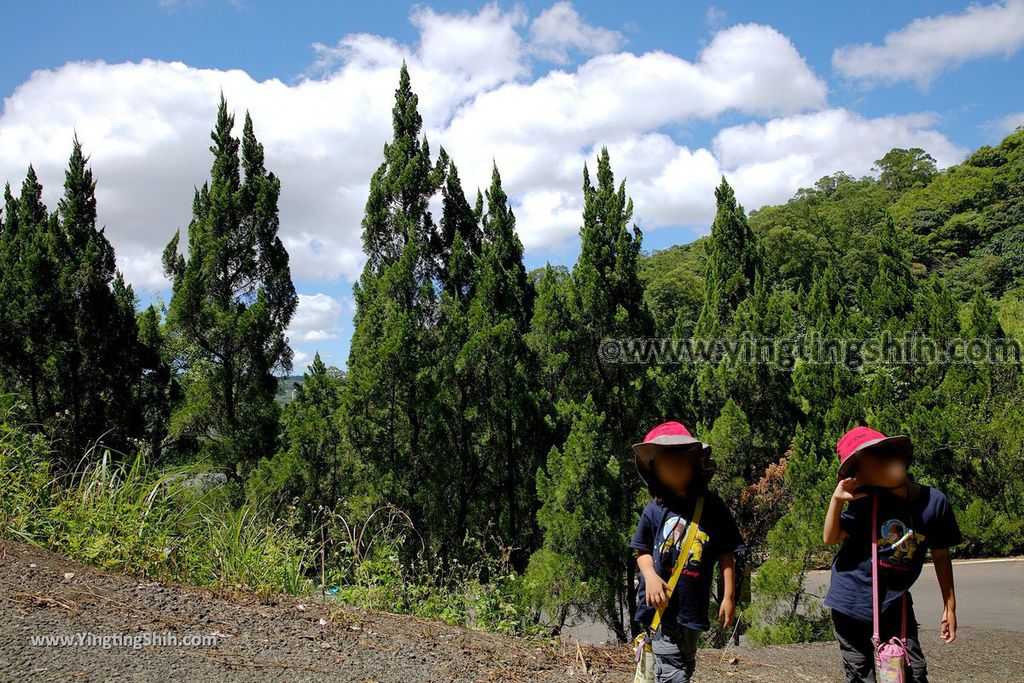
903,625
876,638
874,569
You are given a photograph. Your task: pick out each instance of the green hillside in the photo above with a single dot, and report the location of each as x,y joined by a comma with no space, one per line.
964,224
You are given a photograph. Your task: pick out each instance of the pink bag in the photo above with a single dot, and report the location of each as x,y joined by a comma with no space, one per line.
889,656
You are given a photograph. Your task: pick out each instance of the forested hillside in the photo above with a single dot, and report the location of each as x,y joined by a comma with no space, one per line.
962,224
472,463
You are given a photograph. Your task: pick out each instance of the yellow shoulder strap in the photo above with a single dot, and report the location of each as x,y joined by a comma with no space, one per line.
684,556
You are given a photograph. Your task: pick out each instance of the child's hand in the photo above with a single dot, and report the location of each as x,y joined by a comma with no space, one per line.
846,489
727,612
947,628
657,591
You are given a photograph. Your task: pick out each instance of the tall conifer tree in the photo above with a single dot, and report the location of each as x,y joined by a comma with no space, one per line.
734,261
505,369
29,297
387,389
68,317
607,303
231,303
455,480
98,355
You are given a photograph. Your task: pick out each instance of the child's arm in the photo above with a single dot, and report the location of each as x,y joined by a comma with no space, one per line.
656,590
845,490
944,574
727,608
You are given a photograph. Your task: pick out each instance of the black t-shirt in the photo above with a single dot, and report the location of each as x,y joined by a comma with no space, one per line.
907,529
716,535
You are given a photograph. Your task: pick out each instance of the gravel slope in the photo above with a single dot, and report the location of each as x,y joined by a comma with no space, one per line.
307,639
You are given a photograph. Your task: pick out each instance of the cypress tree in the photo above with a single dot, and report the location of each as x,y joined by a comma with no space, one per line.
29,297
159,389
97,347
458,477
505,397
11,347
734,261
68,335
388,417
460,236
315,466
231,302
891,290
607,302
551,335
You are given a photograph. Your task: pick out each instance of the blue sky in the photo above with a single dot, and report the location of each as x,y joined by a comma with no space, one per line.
773,95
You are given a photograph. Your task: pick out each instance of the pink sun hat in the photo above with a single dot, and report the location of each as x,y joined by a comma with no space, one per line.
861,439
672,435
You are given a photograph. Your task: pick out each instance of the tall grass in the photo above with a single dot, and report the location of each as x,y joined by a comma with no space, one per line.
158,523
167,523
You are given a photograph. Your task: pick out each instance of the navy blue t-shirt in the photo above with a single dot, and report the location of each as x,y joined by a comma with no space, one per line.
716,534
907,529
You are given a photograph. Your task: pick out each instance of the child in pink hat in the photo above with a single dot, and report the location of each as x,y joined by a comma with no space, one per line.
912,519
676,467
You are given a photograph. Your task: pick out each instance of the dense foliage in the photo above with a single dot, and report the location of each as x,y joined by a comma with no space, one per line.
231,301
473,462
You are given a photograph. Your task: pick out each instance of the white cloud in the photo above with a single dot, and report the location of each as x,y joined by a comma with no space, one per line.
559,29
715,17
750,68
147,126
318,318
541,132
1010,122
766,162
300,361
928,46
673,185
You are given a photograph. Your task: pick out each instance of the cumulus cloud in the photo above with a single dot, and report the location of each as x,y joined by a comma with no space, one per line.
559,29
928,46
146,126
766,161
300,360
541,132
673,185
317,318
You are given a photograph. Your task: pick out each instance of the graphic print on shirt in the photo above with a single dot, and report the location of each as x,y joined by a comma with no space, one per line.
899,543
672,537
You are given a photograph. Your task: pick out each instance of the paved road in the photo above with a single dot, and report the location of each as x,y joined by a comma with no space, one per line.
989,594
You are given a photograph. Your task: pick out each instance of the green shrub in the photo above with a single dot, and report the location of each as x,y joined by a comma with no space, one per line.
989,532
485,594
783,611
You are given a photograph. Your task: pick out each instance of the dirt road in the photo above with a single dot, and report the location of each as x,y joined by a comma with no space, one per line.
43,595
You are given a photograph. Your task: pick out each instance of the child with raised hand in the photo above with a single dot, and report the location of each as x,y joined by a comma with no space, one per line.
911,520
676,468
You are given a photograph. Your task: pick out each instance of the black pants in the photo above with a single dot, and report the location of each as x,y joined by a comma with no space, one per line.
675,653
858,652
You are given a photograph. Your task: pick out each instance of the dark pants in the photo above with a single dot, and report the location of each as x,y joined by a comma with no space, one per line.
675,653
858,652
